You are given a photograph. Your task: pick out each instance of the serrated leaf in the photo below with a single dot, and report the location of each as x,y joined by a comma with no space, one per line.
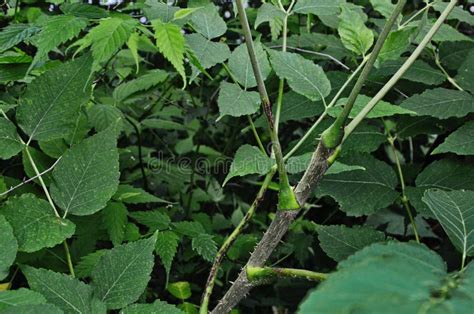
170,41
67,293
166,248
445,33
103,116
458,13
205,246
115,221
142,83
87,263
208,22
209,53
460,142
34,224
33,309
9,247
55,31
132,195
455,211
83,10
354,34
88,175
465,77
10,144
248,160
339,241
54,148
453,54
441,103
180,289
396,43
236,102
155,307
14,34
420,72
382,109
49,107
362,192
319,8
443,174
241,67
271,14
158,10
22,296
122,274
153,219
303,76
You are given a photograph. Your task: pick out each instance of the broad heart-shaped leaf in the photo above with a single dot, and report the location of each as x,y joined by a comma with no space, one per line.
14,34
441,103
382,109
88,175
166,248
208,22
393,278
67,293
142,83
241,68
354,34
362,192
455,211
339,241
22,296
9,247
248,160
460,142
10,144
115,221
236,102
122,274
155,307
465,77
50,105
55,31
319,8
443,174
170,41
209,53
34,224
107,38
304,77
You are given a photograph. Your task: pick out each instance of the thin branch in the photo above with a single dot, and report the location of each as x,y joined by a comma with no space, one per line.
262,275
317,54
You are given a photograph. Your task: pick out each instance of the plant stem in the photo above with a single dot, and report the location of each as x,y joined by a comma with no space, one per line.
230,240
281,85
69,259
265,274
286,198
394,79
448,77
333,136
255,134
404,199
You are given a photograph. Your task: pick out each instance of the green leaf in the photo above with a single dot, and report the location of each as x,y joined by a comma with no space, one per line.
59,92
42,161
303,76
54,148
13,298
248,160
458,13
153,219
14,34
241,67
453,54
362,192
319,8
273,15
67,293
158,10
10,144
445,33
170,41
183,13
33,309
209,53
339,241
205,246
460,142
114,217
384,7
132,195
155,307
417,278
88,175
34,224
465,77
122,274
102,116
107,38
142,83
455,211
9,247
208,22
166,248
420,72
382,109
443,174
297,107
441,103
396,43
354,34
83,10
298,164
87,263
180,290
55,31
236,102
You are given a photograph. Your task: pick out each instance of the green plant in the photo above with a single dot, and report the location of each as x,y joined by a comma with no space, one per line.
348,121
